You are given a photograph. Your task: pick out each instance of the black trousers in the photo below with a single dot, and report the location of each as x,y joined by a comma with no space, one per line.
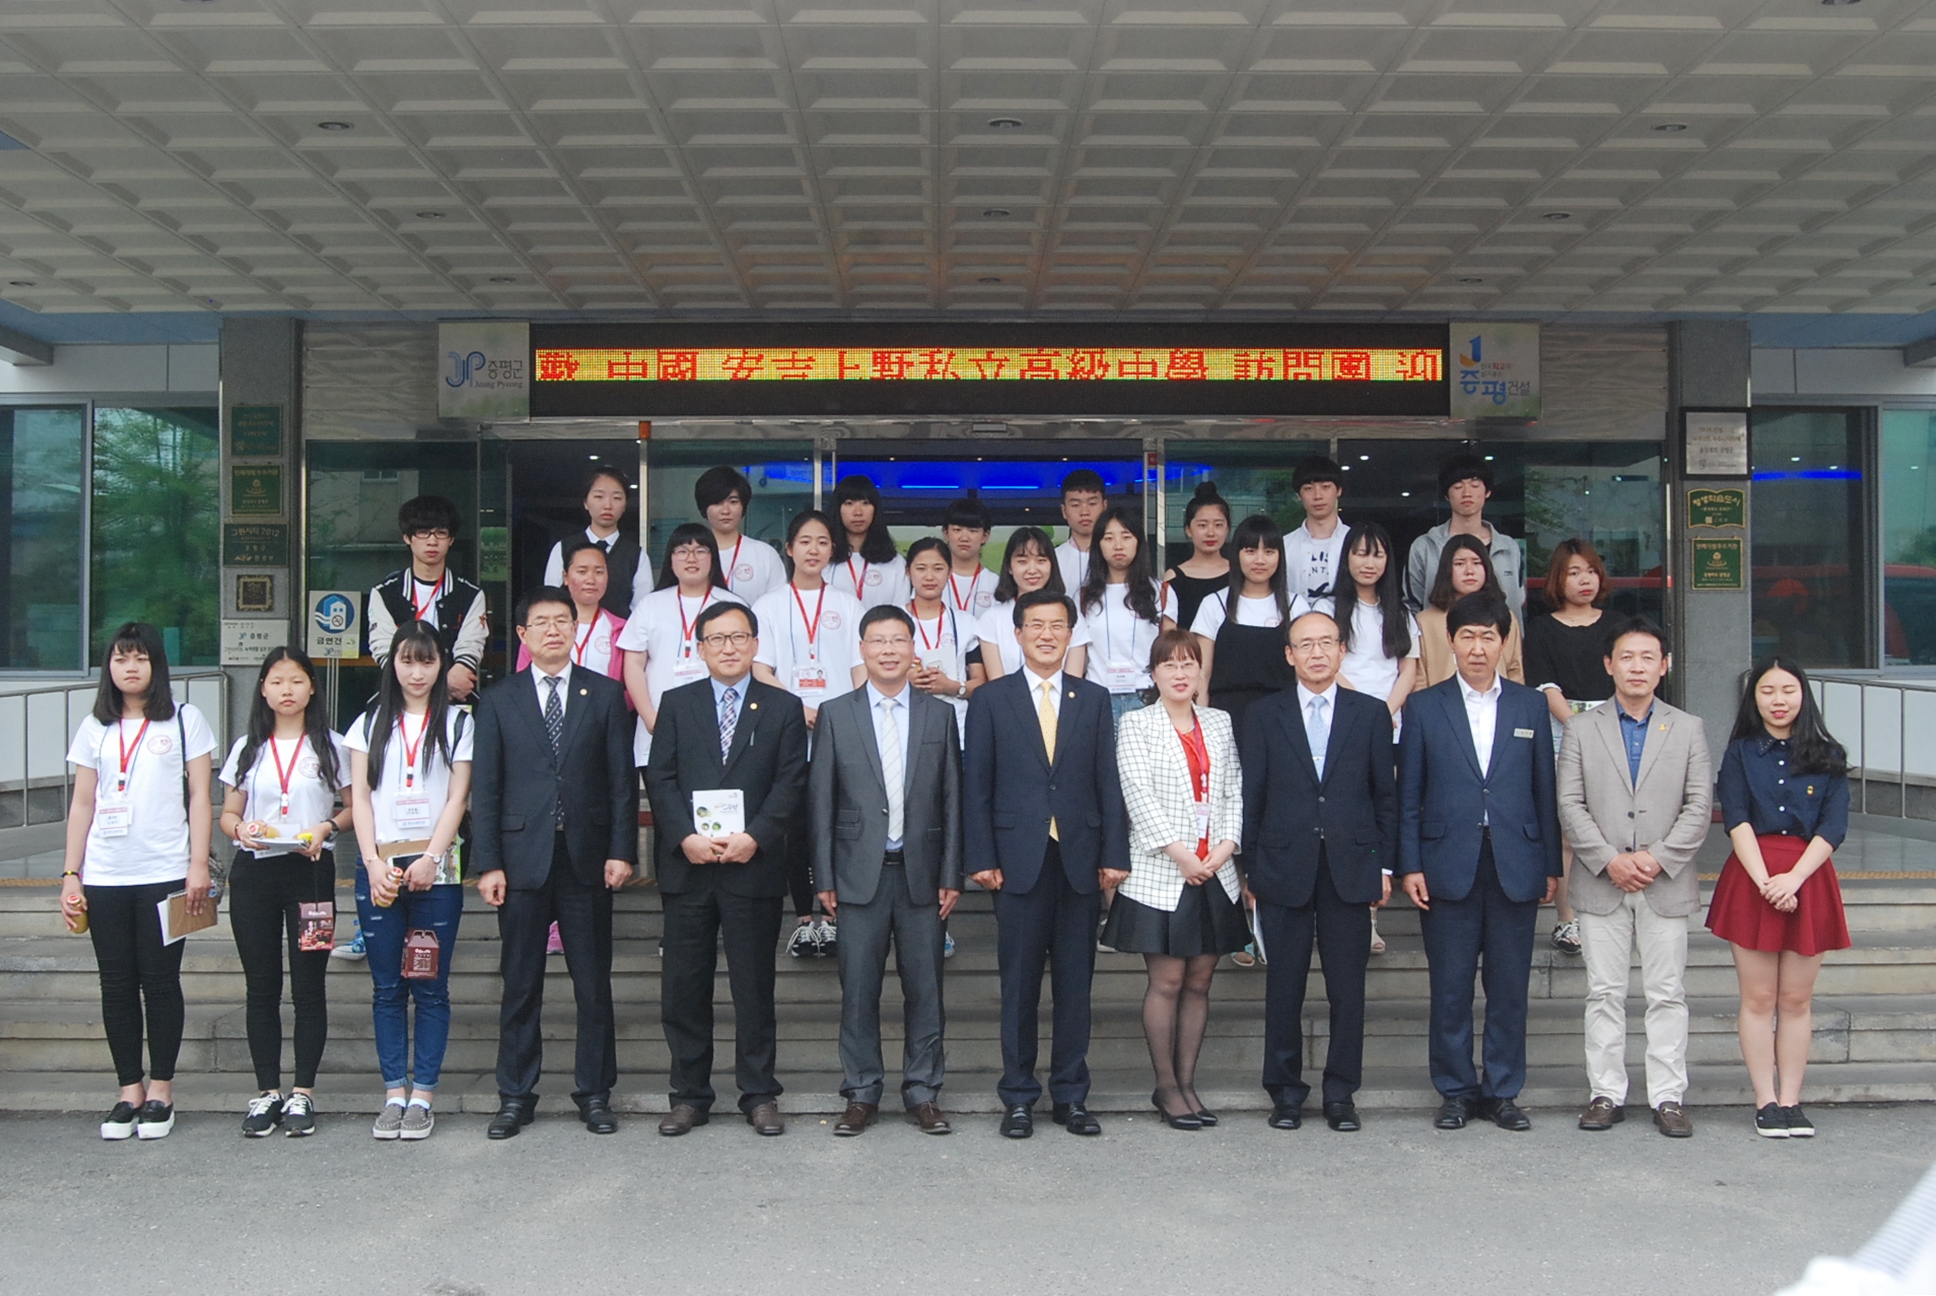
264,892
137,969
695,923
799,861
584,917
1343,936
1053,924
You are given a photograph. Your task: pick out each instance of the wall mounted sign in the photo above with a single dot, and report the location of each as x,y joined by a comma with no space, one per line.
1495,370
667,370
255,490
1714,508
1717,565
255,593
255,431
335,623
246,643
484,370
1715,443
255,544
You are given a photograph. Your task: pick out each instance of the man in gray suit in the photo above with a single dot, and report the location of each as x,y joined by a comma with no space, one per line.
1635,793
884,792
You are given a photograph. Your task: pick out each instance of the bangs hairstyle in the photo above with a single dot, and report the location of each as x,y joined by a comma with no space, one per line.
1811,748
877,546
537,596
682,535
1172,645
415,641
1459,468
719,484
799,524
969,513
1258,531
262,721
1022,541
1205,496
930,544
568,554
1563,555
1084,480
1370,538
1479,608
1443,596
1314,469
1140,594
143,640
427,513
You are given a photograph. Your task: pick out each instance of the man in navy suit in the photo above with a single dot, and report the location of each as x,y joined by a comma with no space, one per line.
1046,832
1479,850
1320,839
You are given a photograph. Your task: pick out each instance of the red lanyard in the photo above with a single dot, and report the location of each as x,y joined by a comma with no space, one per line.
860,589
954,591
128,754
685,626
410,750
417,610
916,617
584,640
813,626
1198,757
734,565
284,775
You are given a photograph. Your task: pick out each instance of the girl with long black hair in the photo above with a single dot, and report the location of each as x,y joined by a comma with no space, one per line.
1028,564
1464,568
866,563
1242,625
1123,609
284,777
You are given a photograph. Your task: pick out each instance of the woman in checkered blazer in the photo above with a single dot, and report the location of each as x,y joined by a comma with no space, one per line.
1181,907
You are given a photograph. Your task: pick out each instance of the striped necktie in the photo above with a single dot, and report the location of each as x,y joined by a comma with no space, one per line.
728,720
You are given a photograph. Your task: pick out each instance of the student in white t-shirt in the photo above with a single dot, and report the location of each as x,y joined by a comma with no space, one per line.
1378,633
1028,564
1084,497
137,833
410,779
810,646
866,564
1124,609
752,568
284,778
658,638
971,587
947,664
1314,552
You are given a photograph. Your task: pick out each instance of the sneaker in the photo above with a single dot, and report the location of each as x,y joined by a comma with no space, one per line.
298,1116
1772,1122
157,1119
826,938
1799,1126
120,1122
1566,937
417,1122
389,1121
799,945
554,943
947,945
265,1113
353,949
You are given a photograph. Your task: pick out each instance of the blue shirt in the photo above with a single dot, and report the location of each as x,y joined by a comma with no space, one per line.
739,696
1758,788
1634,733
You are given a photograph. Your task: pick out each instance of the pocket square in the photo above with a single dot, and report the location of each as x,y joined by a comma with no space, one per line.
1522,733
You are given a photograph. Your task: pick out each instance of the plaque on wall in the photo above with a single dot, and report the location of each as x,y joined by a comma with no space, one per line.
255,490
1715,508
255,431
255,544
246,643
255,593
1715,443
1717,565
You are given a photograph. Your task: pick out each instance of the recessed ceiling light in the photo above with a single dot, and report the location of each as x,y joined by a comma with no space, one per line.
1005,123
334,126
430,215
1671,128
1471,279
1556,216
997,213
511,279
1841,2
989,279
20,283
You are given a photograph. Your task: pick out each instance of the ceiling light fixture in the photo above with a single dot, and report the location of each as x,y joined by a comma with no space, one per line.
334,126
1004,123
1470,279
1556,216
511,279
430,215
1841,2
1671,128
20,283
989,279
997,213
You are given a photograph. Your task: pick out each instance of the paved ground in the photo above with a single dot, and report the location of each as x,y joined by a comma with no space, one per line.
1398,1208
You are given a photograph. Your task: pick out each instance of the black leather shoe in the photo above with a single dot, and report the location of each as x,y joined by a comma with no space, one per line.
1453,1114
1506,1115
1342,1117
1018,1122
598,1117
513,1116
1286,1117
1075,1118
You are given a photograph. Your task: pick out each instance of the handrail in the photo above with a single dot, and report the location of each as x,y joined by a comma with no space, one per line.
1863,683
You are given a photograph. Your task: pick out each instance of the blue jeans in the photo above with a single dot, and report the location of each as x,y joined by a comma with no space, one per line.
384,931
1121,704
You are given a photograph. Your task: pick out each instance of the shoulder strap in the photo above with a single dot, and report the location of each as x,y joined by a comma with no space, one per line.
181,734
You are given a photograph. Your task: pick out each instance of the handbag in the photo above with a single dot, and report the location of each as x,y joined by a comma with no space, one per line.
421,955
316,925
218,868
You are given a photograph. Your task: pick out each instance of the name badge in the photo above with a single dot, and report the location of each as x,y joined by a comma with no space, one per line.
934,661
113,818
1203,821
809,682
410,812
1522,733
1122,677
687,669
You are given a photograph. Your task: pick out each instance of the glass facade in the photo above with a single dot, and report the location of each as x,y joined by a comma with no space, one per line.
1809,536
1908,482
780,472
42,511
156,527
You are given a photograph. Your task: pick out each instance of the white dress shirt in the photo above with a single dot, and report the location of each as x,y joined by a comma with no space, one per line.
879,713
563,677
1482,713
1035,683
1304,700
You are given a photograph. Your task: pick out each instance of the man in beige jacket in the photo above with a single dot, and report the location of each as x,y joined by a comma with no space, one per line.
1635,794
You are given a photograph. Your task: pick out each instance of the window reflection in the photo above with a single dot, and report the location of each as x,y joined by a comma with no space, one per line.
1807,520
157,528
40,529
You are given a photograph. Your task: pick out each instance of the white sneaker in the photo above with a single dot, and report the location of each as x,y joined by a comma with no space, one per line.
120,1122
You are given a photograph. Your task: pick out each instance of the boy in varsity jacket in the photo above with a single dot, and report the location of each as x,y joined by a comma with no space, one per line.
427,590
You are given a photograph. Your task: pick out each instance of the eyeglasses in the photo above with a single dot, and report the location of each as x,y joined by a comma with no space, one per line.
737,638
1314,645
887,641
432,533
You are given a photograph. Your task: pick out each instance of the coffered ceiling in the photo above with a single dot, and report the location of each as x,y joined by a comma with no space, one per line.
1545,157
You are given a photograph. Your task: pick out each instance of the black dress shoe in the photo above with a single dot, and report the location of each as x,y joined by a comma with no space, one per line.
1075,1118
1285,1117
1342,1117
1453,1113
1018,1122
1186,1121
1506,1115
513,1116
598,1117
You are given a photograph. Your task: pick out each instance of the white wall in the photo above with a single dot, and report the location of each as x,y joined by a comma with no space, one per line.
1855,372
101,369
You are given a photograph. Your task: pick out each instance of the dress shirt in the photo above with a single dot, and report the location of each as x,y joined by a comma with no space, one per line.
1304,700
1035,683
1482,713
739,687
1757,787
874,708
563,677
1634,733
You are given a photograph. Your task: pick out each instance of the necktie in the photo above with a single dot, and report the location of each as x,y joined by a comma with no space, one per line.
554,716
1045,716
892,773
728,720
1318,730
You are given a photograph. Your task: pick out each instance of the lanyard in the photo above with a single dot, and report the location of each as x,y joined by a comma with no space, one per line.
284,775
813,626
128,754
860,586
417,610
685,626
410,749
734,565
584,639
1198,757
954,591
918,628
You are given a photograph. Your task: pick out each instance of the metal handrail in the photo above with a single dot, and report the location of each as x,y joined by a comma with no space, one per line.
1862,683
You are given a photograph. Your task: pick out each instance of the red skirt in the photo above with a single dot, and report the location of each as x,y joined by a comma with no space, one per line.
1739,915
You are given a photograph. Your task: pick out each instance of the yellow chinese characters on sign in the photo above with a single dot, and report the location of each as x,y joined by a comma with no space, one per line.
989,364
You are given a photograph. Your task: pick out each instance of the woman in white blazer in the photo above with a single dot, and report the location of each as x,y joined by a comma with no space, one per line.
1181,907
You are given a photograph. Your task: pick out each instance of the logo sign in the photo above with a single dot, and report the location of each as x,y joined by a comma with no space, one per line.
1714,509
1495,371
1717,565
335,623
246,643
1716,443
484,370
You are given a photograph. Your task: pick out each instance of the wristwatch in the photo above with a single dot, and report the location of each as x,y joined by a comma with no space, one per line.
961,689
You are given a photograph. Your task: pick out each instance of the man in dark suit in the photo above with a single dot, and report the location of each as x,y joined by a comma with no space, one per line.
555,830
885,794
730,733
1320,839
1046,831
1479,850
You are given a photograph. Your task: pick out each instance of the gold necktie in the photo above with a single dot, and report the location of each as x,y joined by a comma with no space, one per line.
1045,716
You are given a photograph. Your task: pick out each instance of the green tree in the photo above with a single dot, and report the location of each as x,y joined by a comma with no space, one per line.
157,526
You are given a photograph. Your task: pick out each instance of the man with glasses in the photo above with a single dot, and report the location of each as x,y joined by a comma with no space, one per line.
1320,838
427,590
885,794
728,767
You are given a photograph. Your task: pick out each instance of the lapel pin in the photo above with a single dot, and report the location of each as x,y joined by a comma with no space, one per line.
752,706
584,692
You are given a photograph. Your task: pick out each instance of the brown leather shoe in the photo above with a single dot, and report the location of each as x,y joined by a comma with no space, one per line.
1672,1120
929,1118
681,1119
1601,1114
854,1120
767,1121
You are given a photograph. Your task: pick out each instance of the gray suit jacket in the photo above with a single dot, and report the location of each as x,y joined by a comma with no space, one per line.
1604,813
848,800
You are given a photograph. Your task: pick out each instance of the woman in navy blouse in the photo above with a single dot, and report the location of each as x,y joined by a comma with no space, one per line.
1784,792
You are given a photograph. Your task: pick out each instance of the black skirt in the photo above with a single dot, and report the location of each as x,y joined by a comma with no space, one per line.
1205,921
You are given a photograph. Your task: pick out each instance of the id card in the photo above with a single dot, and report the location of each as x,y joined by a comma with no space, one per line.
934,661
687,668
410,812
1122,677
113,818
809,683
1203,820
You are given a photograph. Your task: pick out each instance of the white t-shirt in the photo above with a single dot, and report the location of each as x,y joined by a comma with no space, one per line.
1313,565
641,574
140,833
813,655
661,627
1073,563
1250,612
1119,640
310,800
946,641
407,809
998,629
753,569
971,596
873,584
1365,665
